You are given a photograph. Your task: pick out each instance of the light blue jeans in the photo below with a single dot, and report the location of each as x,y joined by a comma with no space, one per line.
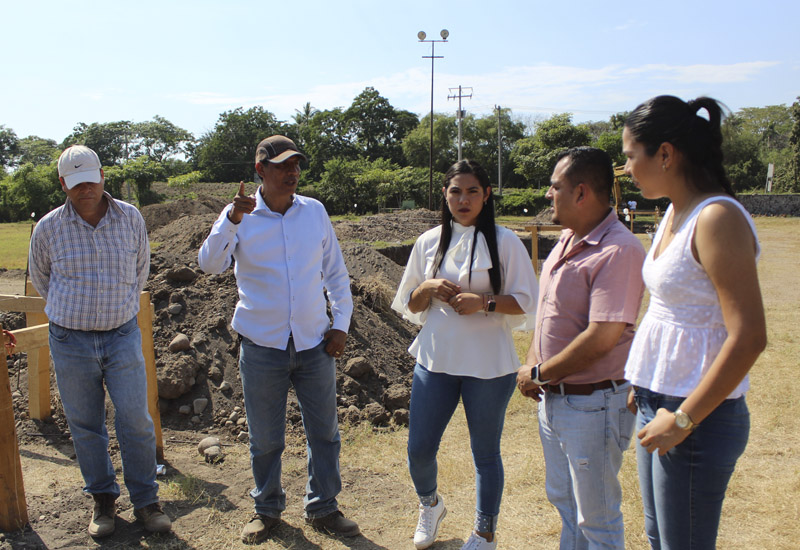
266,376
84,362
683,490
434,398
583,438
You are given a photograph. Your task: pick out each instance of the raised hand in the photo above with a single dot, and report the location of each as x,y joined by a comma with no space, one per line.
242,204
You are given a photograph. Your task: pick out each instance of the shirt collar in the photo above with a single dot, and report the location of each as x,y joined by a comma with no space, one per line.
113,212
593,238
262,206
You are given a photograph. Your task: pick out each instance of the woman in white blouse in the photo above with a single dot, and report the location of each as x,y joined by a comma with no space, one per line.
704,327
468,283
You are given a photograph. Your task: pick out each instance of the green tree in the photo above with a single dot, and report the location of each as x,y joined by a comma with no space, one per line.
9,145
611,143
479,136
30,189
535,156
140,173
740,153
328,137
794,141
37,151
114,142
227,153
416,145
160,139
378,128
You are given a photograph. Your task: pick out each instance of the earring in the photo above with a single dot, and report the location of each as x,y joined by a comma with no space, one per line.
664,167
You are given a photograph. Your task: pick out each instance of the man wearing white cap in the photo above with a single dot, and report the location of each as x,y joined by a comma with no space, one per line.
287,261
89,259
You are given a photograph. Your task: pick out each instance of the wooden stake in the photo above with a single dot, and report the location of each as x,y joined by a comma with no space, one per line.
13,509
145,321
38,365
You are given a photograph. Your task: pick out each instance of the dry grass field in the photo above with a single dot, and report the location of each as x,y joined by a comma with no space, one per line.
761,510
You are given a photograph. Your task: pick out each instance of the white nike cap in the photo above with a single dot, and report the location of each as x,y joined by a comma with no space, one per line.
79,164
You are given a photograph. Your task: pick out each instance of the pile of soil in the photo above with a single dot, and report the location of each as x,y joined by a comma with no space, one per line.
374,373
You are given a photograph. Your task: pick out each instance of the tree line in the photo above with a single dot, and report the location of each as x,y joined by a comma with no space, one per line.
369,155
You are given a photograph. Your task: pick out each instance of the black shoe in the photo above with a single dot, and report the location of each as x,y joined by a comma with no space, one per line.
335,524
258,528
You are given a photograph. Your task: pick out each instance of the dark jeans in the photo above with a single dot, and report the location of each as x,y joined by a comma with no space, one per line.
683,490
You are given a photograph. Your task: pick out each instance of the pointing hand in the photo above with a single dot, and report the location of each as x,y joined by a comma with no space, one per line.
242,204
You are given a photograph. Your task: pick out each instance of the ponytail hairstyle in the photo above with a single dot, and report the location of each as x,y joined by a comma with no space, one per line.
484,223
668,119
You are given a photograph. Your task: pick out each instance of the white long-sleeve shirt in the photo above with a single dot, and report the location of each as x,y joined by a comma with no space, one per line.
479,345
283,265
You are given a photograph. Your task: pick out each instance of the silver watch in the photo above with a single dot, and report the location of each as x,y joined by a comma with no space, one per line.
684,421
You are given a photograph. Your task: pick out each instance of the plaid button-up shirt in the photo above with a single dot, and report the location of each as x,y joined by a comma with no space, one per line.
90,276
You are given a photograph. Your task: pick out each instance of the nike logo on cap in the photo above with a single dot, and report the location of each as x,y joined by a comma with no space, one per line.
78,165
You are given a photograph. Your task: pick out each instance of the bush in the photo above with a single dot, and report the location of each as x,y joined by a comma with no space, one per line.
514,202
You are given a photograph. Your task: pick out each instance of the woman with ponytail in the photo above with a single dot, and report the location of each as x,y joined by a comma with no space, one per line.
468,283
704,327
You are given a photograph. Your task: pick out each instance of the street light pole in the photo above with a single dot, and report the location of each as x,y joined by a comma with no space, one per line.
421,36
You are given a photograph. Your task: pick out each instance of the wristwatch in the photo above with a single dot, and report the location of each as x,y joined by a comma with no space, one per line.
535,375
684,421
490,303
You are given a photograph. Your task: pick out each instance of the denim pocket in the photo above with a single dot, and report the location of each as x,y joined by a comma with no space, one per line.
127,328
58,333
586,403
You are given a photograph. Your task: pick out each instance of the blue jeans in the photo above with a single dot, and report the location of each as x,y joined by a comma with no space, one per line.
83,362
434,398
683,490
583,438
266,376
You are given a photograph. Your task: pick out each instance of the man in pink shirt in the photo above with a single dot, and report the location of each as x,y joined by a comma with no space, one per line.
590,291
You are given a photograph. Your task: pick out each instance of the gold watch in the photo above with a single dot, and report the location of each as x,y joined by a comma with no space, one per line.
684,421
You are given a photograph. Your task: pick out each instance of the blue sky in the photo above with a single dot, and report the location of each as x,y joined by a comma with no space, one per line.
102,61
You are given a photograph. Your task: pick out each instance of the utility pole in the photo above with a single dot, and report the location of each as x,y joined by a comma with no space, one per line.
421,36
499,152
460,112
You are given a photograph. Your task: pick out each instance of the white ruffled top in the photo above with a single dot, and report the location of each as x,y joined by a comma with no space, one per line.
683,329
479,344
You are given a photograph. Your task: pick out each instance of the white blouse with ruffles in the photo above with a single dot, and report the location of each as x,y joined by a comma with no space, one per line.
479,344
683,330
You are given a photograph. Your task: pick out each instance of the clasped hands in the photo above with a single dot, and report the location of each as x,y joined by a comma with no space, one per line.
526,385
464,303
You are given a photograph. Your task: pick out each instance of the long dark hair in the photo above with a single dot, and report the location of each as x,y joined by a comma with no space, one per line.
484,223
669,119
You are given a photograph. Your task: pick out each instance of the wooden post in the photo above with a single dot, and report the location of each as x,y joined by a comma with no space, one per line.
38,367
534,229
535,248
13,509
145,321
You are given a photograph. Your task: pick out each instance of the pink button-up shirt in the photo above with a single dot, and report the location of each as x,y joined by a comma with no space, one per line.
599,279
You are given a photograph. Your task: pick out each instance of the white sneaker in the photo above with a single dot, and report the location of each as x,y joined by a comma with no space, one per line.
430,517
477,542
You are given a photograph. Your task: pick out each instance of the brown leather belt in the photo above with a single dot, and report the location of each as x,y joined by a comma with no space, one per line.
582,389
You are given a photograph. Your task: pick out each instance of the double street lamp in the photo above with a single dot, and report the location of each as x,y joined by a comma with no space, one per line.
421,35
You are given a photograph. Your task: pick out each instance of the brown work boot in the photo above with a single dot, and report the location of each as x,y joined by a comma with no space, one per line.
335,524
258,528
153,518
102,524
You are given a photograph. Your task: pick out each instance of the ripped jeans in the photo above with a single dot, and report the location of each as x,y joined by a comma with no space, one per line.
583,437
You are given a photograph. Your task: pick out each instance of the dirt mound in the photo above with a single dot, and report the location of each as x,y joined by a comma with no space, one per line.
159,215
374,375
